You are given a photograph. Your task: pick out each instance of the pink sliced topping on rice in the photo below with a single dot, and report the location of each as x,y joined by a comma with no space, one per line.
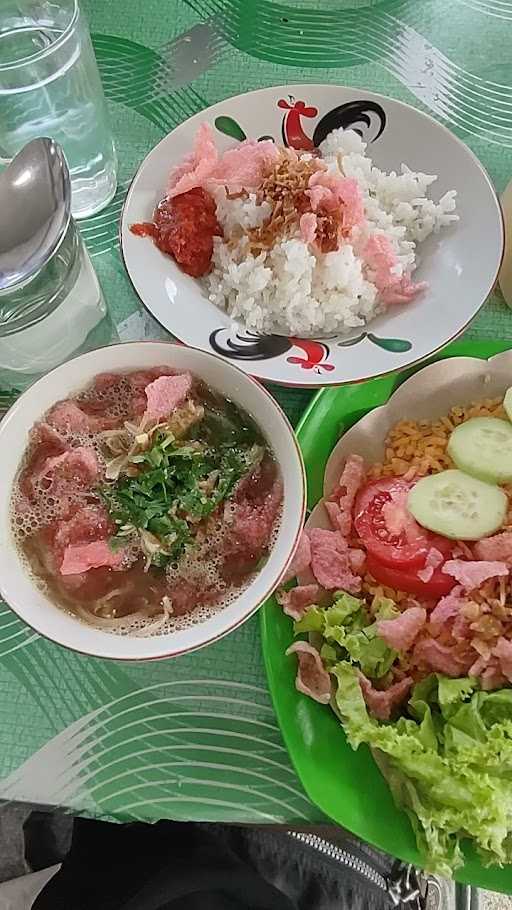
400,633
472,574
165,394
296,601
403,291
308,225
196,167
329,192
382,703
240,168
383,263
312,678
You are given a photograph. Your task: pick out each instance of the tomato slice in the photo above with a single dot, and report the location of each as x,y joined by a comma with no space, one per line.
388,530
406,579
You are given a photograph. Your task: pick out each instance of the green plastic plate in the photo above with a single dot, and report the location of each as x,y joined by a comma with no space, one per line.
344,784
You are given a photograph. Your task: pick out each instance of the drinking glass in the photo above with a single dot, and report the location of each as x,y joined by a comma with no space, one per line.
50,86
59,313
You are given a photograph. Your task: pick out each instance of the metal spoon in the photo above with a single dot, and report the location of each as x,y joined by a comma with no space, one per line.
35,206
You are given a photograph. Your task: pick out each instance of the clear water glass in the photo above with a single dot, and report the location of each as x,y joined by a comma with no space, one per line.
50,86
54,315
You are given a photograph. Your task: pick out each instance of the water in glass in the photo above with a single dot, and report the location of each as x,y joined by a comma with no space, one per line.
50,86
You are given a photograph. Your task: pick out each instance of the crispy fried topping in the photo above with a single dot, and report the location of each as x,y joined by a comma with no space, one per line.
284,189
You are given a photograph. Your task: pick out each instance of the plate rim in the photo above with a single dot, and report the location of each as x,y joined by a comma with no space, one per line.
323,381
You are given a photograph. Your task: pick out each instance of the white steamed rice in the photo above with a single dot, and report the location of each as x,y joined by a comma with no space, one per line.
294,290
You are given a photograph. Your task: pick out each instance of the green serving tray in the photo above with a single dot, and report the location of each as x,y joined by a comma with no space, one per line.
344,784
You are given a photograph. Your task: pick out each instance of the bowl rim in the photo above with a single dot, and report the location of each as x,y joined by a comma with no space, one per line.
166,652
379,97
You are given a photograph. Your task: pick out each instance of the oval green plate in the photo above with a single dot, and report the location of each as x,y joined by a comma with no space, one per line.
344,784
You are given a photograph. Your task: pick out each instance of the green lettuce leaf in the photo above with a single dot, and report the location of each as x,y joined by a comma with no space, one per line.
448,764
347,624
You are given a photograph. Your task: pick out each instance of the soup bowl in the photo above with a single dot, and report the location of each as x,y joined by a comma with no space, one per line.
21,591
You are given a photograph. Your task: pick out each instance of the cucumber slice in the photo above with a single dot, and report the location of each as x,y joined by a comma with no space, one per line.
482,447
507,403
458,506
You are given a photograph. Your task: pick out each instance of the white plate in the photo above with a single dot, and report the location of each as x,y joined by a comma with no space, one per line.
460,264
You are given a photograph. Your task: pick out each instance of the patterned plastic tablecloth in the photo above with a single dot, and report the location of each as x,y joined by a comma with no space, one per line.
196,737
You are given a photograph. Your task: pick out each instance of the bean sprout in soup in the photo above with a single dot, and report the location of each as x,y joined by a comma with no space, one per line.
145,503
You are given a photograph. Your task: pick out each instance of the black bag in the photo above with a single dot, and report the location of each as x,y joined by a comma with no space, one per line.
173,866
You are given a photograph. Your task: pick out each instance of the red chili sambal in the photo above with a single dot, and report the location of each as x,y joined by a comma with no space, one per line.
184,227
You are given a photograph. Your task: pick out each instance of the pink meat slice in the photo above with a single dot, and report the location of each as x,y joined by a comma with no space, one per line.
301,560
312,678
68,417
82,557
472,574
461,629
138,382
88,524
491,679
308,224
335,515
64,477
382,260
296,601
433,560
351,479
42,434
497,548
75,543
503,651
165,394
397,517
328,192
400,633
357,559
478,667
251,525
447,609
382,703
240,168
79,467
320,537
440,658
330,562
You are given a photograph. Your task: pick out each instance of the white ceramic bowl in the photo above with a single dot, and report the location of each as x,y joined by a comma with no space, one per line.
460,263
35,608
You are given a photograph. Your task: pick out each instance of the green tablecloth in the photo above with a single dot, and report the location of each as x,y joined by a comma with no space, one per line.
196,737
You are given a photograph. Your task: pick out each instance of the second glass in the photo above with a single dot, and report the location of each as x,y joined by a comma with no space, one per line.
50,86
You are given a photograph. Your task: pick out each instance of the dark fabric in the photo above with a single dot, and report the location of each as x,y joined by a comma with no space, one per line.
167,866
47,838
